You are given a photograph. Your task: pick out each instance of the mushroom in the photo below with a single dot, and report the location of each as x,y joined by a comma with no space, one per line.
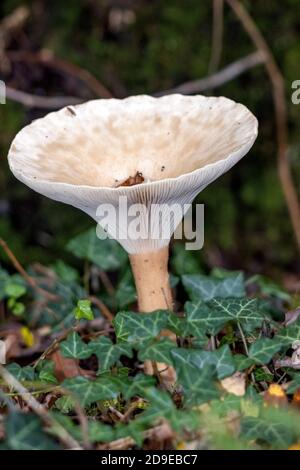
142,150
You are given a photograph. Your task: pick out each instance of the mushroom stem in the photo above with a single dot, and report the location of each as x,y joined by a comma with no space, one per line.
150,271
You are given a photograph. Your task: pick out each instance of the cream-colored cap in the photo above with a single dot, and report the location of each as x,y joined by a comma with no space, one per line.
82,154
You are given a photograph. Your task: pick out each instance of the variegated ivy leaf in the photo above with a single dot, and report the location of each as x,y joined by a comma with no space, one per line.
107,254
199,286
136,328
89,391
274,433
73,347
289,334
247,312
158,350
221,360
107,352
198,384
262,351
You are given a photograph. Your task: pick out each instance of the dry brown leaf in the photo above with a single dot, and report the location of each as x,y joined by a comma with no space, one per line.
236,384
66,368
275,396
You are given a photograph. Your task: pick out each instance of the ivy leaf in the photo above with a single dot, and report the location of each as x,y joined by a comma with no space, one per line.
220,360
158,350
107,254
199,286
14,290
89,391
24,432
46,371
84,310
242,362
136,327
125,293
245,311
290,334
21,373
198,385
196,319
184,261
273,433
73,347
138,385
108,353
264,349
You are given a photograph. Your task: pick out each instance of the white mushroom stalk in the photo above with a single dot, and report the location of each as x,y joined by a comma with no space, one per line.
115,154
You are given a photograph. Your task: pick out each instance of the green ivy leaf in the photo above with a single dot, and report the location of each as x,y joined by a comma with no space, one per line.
242,362
24,432
273,433
21,373
84,310
14,290
136,327
158,350
245,311
89,391
73,347
107,254
196,319
138,385
206,288
108,353
288,335
125,293
198,385
46,371
264,349
220,360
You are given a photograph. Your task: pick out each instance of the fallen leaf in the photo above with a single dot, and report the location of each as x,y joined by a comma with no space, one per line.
236,384
291,316
275,396
296,398
67,368
295,447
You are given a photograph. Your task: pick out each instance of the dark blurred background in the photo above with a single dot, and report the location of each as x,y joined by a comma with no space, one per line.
140,46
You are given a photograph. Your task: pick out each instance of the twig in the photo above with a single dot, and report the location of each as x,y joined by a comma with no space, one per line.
161,432
10,24
280,107
106,282
217,36
102,307
39,409
30,280
225,75
43,102
47,58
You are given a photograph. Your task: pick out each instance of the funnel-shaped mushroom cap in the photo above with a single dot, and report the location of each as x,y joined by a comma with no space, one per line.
172,146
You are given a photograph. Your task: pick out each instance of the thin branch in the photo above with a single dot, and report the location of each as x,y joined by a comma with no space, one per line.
30,280
161,433
217,36
42,102
102,307
39,409
47,58
280,107
225,75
